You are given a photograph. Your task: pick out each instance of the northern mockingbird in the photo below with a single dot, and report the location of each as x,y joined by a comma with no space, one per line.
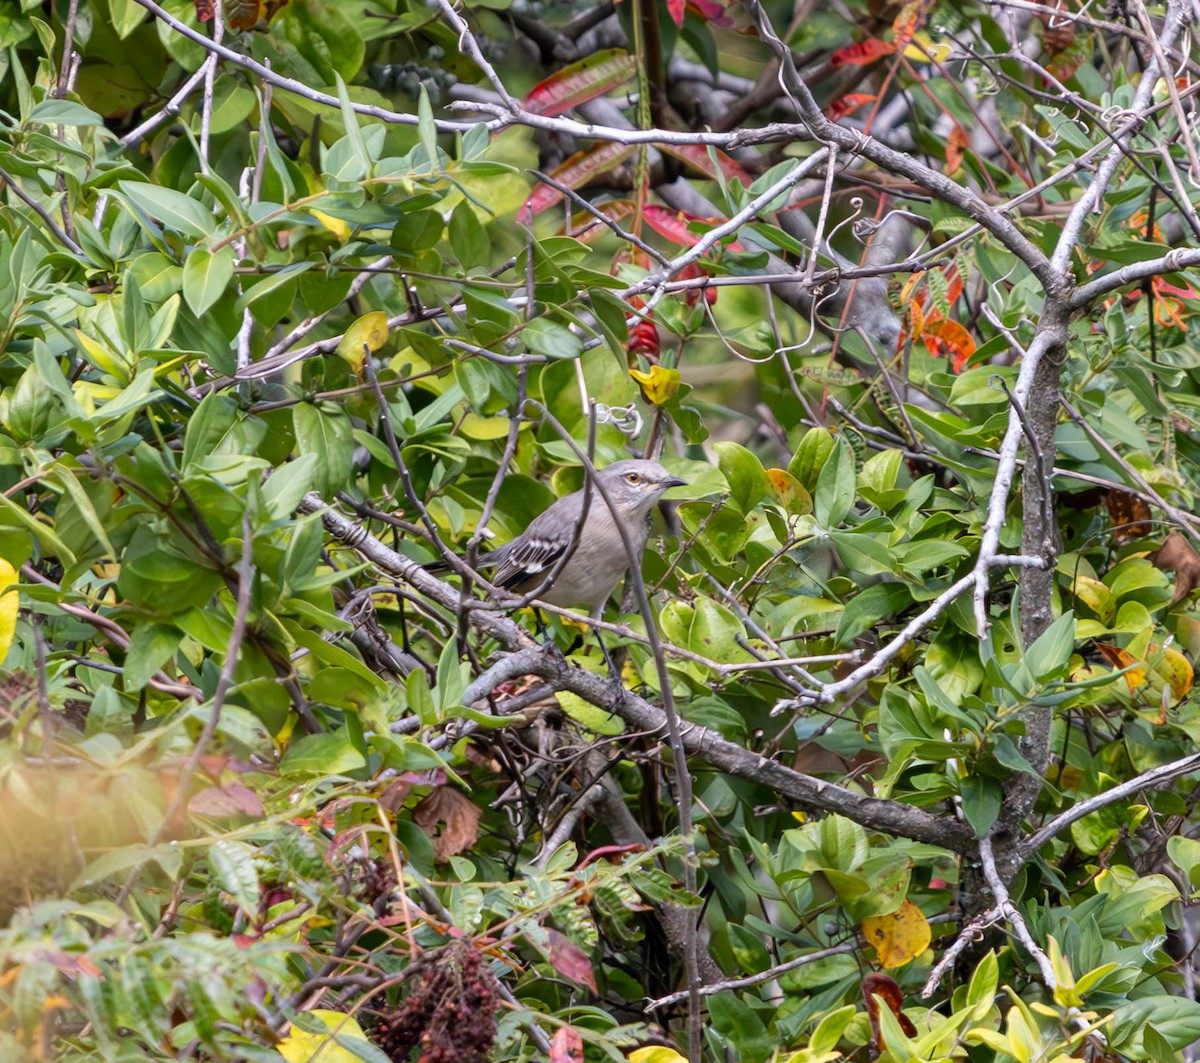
600,559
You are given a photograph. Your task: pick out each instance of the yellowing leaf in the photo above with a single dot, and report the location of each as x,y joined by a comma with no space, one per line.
370,332
102,358
300,1046
8,606
656,1054
789,492
898,937
1173,667
339,228
659,386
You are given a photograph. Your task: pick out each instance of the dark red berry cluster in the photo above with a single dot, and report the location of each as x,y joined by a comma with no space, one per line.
450,1012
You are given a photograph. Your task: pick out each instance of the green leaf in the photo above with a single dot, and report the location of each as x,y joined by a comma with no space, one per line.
322,754
468,238
173,209
206,275
810,457
552,339
151,646
868,607
981,799
233,867
835,486
1050,653
741,1028
744,474
287,485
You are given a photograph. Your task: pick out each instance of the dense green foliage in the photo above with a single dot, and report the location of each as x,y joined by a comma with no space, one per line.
255,800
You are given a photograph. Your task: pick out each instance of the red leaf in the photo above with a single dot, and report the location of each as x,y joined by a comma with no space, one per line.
205,9
697,156
710,11
242,14
850,103
673,225
580,82
566,1046
876,987
675,8
587,228
569,960
861,52
574,173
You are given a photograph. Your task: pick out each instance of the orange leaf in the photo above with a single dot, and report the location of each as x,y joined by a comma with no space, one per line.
789,492
594,76
907,23
944,337
566,1046
916,316
956,143
861,52
898,937
850,103
1136,676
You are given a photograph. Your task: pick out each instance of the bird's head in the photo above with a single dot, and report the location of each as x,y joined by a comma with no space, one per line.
635,485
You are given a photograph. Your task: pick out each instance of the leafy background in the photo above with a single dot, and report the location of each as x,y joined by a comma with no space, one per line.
905,293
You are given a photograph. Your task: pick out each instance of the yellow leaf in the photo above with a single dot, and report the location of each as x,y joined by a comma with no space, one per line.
659,386
656,1054
8,606
369,332
898,937
302,1047
336,226
924,49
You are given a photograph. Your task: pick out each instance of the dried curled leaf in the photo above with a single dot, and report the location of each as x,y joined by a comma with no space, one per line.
1175,555
457,816
1130,517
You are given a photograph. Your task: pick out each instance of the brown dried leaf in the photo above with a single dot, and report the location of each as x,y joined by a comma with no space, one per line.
876,987
457,816
1129,514
1179,556
569,960
226,801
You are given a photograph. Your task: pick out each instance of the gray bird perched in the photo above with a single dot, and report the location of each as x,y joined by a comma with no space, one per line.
597,564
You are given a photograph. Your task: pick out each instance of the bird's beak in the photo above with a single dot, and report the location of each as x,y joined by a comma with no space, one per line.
674,481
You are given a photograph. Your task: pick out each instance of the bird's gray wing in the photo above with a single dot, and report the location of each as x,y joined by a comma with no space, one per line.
532,553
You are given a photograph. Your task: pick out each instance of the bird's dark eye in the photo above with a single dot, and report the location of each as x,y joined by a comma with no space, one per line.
633,478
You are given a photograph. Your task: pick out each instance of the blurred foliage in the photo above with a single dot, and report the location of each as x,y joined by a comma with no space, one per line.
223,832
